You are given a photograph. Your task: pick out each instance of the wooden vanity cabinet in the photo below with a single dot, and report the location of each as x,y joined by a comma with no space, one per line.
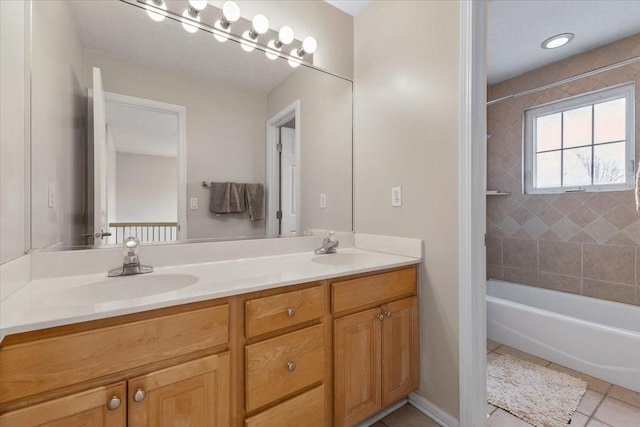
149,368
375,343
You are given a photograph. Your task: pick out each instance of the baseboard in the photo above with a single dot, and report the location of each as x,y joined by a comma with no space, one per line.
380,415
432,411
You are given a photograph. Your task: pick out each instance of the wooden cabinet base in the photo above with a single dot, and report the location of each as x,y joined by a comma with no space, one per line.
306,410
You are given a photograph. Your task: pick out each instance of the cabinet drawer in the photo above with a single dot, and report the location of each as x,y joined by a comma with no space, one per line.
47,364
280,311
304,410
374,289
280,366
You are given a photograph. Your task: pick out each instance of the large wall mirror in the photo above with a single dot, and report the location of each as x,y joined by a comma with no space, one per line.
141,124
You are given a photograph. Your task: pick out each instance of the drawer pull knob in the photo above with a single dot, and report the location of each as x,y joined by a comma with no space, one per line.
380,317
114,403
291,311
291,366
387,313
139,395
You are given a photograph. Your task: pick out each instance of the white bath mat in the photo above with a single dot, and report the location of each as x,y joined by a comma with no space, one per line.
539,396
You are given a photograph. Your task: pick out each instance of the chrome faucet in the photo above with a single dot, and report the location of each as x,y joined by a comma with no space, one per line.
131,264
329,244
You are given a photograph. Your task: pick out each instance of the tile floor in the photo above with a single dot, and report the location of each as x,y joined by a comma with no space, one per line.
603,405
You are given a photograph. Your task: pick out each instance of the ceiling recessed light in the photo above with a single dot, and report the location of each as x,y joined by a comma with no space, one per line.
557,41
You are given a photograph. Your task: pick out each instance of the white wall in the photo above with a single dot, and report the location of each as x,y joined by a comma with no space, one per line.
406,134
58,108
225,134
146,188
325,145
12,132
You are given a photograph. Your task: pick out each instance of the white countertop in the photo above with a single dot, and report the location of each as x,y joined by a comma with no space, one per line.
52,302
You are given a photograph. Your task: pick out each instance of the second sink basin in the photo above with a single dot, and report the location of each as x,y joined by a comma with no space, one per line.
126,287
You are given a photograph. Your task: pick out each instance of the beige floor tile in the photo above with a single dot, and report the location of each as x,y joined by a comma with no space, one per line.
408,416
617,413
505,349
594,384
590,402
596,423
492,345
502,418
492,356
627,396
578,420
490,408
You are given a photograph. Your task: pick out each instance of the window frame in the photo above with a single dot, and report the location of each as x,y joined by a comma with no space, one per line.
626,91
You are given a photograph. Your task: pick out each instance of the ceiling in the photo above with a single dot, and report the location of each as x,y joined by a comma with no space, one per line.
352,7
516,28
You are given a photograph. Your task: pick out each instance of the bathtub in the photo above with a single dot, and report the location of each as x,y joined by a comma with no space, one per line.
600,338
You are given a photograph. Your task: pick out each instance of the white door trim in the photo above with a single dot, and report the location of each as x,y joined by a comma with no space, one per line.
181,112
472,215
272,180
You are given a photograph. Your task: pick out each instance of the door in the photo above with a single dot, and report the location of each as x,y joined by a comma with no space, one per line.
357,365
288,223
194,393
100,219
399,349
98,407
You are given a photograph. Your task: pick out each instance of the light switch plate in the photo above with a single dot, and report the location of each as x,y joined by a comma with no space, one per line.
396,196
193,203
323,201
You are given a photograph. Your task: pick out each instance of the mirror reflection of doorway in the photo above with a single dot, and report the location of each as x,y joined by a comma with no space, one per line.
283,172
287,165
143,182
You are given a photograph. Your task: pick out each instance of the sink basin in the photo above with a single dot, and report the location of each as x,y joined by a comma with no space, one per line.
126,287
339,259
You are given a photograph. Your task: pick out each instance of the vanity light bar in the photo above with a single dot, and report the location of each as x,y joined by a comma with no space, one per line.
191,22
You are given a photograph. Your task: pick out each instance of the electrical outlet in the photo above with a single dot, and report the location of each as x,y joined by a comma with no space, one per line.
323,201
193,203
396,196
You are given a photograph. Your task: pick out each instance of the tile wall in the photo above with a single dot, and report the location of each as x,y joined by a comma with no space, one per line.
584,243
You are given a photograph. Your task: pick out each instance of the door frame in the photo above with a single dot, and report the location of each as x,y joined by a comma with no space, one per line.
472,167
292,111
181,112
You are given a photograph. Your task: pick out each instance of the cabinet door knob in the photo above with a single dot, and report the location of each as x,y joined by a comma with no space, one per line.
380,317
387,313
291,311
291,366
139,395
114,403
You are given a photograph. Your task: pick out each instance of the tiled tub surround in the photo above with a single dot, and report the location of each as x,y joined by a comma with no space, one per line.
584,243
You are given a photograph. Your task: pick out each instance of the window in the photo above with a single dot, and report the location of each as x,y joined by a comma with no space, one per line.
584,143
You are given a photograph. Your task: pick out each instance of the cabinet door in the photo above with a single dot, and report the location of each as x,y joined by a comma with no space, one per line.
88,408
357,367
400,349
194,393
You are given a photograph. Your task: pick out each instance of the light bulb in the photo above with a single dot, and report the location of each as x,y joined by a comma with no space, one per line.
198,4
260,24
285,35
188,22
295,60
152,8
246,43
220,37
230,11
309,45
272,45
